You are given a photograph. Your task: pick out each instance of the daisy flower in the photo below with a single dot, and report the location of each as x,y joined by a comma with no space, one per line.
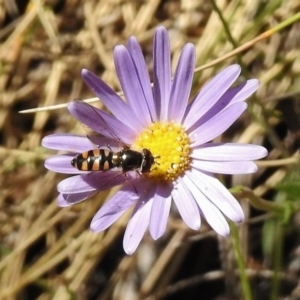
178,135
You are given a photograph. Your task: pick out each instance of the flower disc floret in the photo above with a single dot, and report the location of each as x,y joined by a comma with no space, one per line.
170,146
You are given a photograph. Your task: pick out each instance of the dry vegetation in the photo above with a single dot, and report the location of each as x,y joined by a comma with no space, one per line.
50,253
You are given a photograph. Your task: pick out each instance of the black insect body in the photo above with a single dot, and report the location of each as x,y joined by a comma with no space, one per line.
125,160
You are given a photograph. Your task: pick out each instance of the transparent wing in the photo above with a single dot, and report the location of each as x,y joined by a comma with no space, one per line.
98,123
80,187
102,129
100,141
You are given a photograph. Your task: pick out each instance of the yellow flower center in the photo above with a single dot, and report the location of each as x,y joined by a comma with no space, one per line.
170,147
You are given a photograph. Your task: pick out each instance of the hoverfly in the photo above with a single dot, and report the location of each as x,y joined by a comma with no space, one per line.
103,160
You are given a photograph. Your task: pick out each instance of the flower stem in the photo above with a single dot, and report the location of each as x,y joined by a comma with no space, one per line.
246,288
257,202
277,260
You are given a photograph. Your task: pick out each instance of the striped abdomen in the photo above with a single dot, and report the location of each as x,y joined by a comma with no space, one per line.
96,160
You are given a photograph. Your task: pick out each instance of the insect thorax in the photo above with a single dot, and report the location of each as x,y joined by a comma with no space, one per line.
131,160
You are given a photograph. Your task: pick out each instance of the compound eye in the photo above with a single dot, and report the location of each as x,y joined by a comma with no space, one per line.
73,162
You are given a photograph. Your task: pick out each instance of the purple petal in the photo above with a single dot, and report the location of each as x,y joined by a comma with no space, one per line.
211,213
242,91
114,208
142,73
214,218
225,167
182,82
91,182
101,122
111,100
74,185
229,152
160,210
62,164
65,200
233,95
217,193
217,124
67,142
186,205
161,72
62,202
131,85
211,93
139,221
